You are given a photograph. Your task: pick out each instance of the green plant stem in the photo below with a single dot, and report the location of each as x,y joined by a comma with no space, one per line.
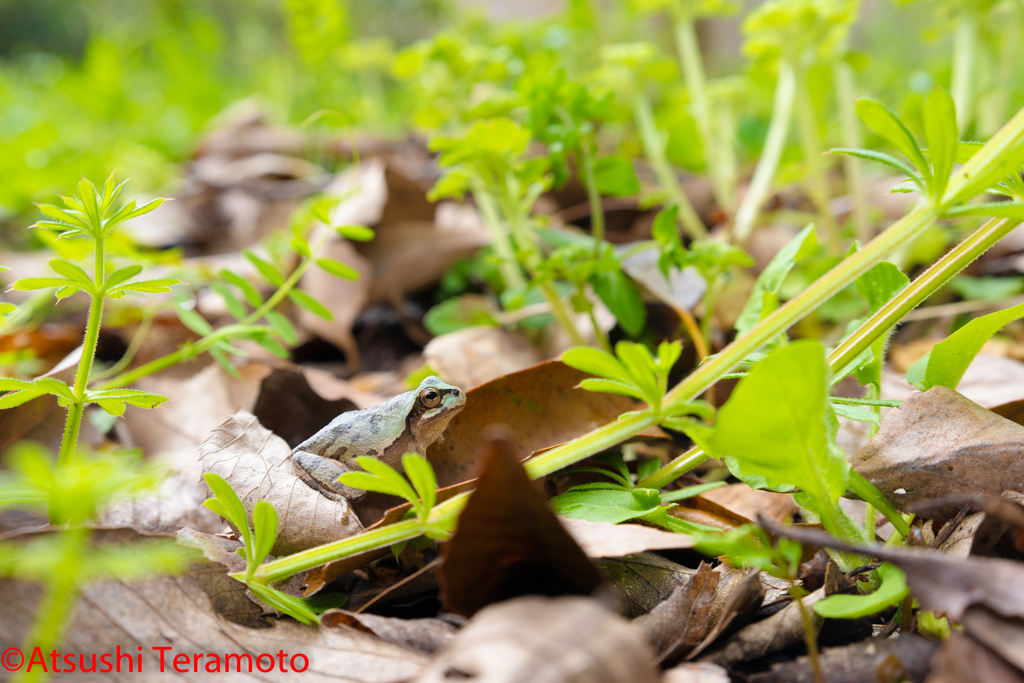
133,348
816,180
500,240
443,514
965,40
654,150
696,82
811,639
92,334
775,142
593,198
853,168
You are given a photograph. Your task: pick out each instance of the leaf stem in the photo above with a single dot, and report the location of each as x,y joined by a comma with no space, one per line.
853,168
815,178
774,143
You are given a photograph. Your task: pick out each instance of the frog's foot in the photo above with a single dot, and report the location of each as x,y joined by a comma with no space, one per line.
321,474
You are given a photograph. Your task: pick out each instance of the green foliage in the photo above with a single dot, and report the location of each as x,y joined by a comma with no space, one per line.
986,288
418,487
804,30
764,298
891,592
750,546
257,542
948,360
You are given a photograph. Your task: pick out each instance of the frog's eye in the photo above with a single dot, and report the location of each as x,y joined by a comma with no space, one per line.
430,397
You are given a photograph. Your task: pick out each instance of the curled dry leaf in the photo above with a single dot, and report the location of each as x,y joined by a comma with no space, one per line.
677,625
939,444
978,533
289,407
541,403
778,631
602,539
545,640
255,463
875,659
961,659
644,581
425,636
508,541
741,592
1002,634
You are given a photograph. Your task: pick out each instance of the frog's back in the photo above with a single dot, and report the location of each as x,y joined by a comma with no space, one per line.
359,433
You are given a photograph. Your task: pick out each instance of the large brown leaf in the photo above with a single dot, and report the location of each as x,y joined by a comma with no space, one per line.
939,444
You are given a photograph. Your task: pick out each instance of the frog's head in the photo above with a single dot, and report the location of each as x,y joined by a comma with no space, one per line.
436,403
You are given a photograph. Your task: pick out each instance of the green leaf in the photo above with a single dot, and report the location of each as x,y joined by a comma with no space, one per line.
272,345
880,119
16,398
880,284
72,272
264,521
193,320
941,132
615,177
665,227
63,218
379,477
880,157
640,364
221,356
892,590
421,474
855,412
622,299
122,274
596,362
232,505
1012,210
282,602
338,268
235,307
148,286
134,397
300,245
112,406
283,327
266,269
29,283
304,300
251,295
986,288
613,506
357,233
459,313
52,385
948,360
611,386
771,278
771,432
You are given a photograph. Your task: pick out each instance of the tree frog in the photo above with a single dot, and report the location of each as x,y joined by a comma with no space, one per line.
407,423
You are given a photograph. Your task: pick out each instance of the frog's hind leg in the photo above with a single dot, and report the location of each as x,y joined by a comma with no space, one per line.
321,474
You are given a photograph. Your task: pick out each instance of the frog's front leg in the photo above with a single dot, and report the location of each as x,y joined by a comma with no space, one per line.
321,474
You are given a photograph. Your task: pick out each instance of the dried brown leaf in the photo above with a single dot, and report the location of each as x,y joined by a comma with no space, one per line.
875,659
545,640
961,659
473,356
677,625
602,539
425,636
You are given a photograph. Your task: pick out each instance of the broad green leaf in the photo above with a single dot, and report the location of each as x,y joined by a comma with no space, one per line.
459,313
283,327
855,412
148,286
615,177
54,386
63,218
640,365
880,119
878,286
605,505
193,320
134,397
112,406
948,360
232,505
941,132
8,384
986,288
266,269
421,474
300,245
214,505
282,602
251,295
379,477
665,227
622,299
337,268
771,278
272,346
221,356
891,592
611,386
357,233
596,362
264,522
16,398
309,303
235,307
771,432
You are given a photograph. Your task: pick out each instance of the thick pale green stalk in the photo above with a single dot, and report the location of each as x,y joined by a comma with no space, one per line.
442,514
775,142
92,335
500,241
815,179
593,198
964,46
853,167
693,69
654,150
